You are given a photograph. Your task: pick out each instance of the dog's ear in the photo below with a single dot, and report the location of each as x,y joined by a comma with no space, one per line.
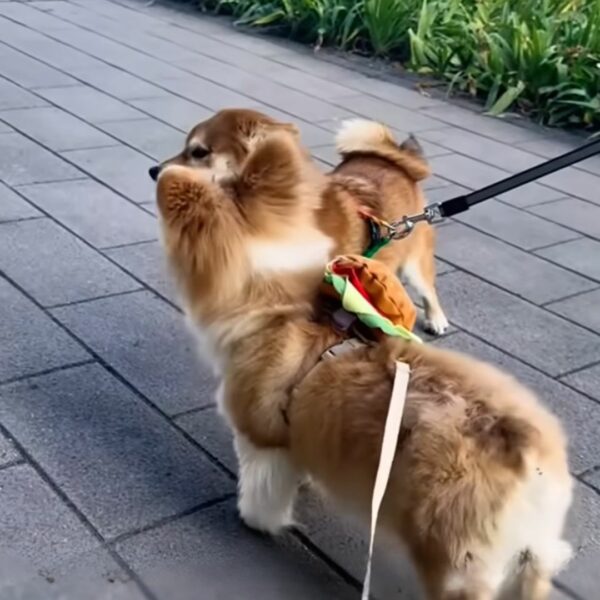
250,127
411,145
289,127
280,126
273,169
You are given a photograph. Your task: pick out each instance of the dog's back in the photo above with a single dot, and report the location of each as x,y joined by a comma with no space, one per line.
490,456
381,177
370,153
362,138
375,174
480,484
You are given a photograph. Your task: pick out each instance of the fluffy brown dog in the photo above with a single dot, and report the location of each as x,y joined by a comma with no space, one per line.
479,487
375,174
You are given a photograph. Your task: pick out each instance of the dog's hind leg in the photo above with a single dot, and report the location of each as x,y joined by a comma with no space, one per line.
471,594
469,586
533,581
442,579
267,486
529,581
449,586
420,272
534,584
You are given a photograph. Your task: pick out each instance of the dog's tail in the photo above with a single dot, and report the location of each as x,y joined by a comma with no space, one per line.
361,136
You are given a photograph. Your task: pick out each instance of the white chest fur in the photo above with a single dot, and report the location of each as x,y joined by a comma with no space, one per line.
290,255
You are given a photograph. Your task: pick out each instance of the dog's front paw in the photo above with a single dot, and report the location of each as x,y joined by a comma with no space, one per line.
187,193
436,323
266,522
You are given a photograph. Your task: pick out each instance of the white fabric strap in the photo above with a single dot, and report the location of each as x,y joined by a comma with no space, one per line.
386,459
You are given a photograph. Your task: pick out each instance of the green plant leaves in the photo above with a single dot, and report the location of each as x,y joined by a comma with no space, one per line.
507,99
538,56
388,22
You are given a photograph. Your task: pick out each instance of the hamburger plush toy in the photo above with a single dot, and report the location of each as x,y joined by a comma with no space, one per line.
369,290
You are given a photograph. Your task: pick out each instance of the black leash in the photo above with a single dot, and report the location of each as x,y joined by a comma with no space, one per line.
454,206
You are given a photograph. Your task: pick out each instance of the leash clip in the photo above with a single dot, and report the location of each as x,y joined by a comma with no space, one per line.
403,227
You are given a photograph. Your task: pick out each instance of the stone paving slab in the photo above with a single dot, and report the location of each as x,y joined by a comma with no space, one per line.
12,96
30,73
585,380
30,342
24,161
44,49
576,214
209,429
117,460
35,524
146,341
531,194
516,226
117,83
38,20
385,90
326,90
120,481
578,255
52,555
494,315
155,139
42,257
523,274
13,207
122,169
497,154
576,183
206,548
396,116
583,527
8,453
593,478
551,146
212,95
56,129
577,577
172,110
466,171
89,104
583,309
494,129
93,212
91,576
148,264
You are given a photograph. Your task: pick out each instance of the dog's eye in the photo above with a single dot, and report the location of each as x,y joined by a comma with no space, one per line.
198,152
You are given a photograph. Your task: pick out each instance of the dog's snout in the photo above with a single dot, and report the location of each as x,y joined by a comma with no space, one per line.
154,172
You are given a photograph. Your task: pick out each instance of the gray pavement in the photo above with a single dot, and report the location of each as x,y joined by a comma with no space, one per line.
117,479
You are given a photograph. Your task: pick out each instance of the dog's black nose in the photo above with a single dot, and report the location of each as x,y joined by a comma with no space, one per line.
154,172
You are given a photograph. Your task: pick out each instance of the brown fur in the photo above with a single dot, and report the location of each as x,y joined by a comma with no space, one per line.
374,173
471,437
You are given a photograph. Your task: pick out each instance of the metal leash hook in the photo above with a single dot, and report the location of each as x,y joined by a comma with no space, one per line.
404,226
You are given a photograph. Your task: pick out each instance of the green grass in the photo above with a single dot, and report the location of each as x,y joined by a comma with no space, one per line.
540,57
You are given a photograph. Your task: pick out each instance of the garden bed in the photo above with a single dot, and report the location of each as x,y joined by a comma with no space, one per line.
539,57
